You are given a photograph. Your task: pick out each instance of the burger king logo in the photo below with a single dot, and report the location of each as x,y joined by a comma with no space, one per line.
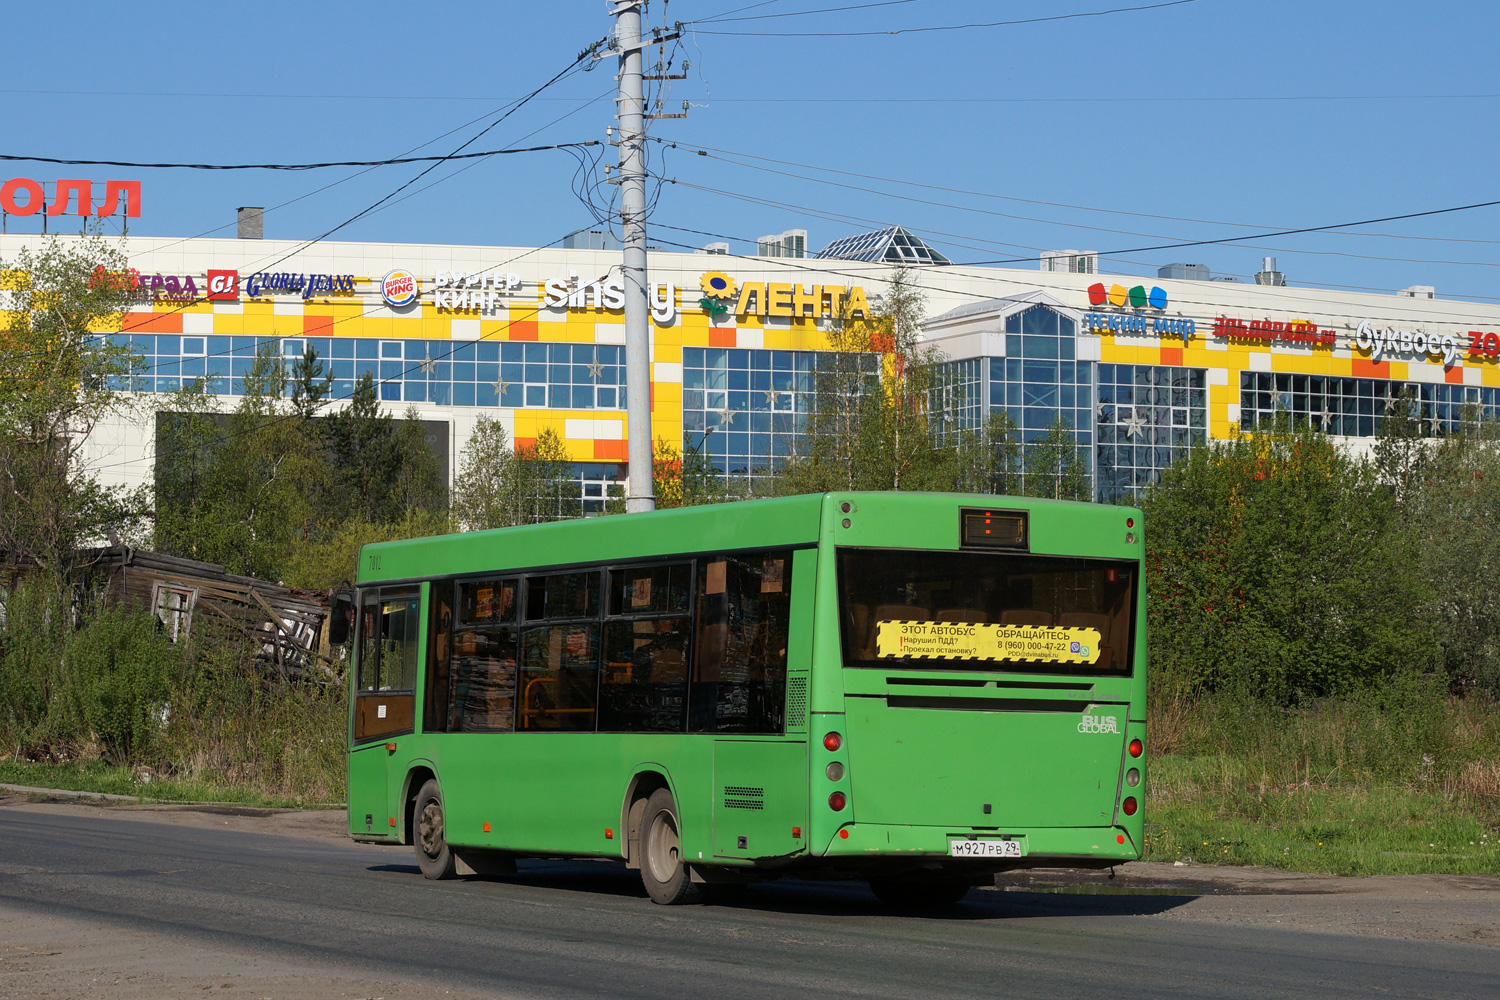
399,288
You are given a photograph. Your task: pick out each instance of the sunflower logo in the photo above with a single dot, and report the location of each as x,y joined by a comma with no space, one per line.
718,289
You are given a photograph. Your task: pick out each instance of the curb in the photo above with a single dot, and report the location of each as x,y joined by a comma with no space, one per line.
68,793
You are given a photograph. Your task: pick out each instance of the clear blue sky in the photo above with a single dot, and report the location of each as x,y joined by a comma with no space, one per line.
1277,113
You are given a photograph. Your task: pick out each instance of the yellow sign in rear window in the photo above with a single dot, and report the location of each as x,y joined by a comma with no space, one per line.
979,641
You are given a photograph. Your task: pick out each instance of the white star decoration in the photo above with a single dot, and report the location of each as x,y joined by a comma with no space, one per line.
428,365
500,386
1325,418
596,371
1134,424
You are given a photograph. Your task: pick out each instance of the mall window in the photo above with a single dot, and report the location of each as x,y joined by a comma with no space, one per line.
1356,407
956,399
445,372
1040,381
745,409
1148,417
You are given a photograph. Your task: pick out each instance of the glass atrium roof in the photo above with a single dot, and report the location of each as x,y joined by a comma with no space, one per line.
892,246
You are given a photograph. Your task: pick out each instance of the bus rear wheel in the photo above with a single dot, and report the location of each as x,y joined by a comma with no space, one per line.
919,893
430,834
665,875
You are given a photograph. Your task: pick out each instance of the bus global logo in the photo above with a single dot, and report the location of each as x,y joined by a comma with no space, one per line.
1097,724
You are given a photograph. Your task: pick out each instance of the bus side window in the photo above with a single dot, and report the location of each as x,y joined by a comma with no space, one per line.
439,660
739,658
368,644
386,676
398,644
482,698
643,685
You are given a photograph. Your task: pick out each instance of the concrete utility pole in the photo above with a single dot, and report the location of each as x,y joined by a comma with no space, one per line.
630,114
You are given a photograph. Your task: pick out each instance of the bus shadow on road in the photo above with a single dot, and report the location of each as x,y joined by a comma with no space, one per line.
792,896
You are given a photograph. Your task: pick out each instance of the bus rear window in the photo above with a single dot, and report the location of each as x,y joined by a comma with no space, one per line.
1025,613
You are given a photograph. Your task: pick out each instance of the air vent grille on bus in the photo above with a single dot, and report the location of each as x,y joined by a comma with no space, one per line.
796,702
742,797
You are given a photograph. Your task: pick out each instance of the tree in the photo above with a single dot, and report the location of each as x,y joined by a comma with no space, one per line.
1053,467
686,479
1400,448
1451,509
870,426
990,460
500,486
311,384
59,376
253,494
418,484
1277,565
364,453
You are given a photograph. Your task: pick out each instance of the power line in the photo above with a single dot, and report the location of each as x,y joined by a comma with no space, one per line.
828,266
294,166
434,98
1034,201
723,19
1076,225
1272,235
947,27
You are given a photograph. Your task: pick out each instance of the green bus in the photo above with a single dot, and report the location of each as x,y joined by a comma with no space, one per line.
915,689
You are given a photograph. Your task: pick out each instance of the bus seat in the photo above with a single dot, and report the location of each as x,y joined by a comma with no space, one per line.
1093,620
1025,616
976,615
1086,619
859,626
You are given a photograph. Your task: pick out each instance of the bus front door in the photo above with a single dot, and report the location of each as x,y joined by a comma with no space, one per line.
384,709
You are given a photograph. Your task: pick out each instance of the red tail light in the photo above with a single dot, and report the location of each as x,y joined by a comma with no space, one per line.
1128,807
832,742
837,801
1137,748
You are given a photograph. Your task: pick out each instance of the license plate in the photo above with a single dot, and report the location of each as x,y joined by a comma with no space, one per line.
984,848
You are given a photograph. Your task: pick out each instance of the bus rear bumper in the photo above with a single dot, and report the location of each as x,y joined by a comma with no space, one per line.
1039,847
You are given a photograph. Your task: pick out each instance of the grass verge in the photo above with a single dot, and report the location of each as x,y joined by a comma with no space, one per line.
1194,815
97,776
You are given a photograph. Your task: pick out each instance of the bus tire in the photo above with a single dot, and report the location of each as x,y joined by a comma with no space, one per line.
429,833
919,893
663,872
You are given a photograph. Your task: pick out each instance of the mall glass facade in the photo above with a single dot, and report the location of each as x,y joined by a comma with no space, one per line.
1356,406
747,408
446,372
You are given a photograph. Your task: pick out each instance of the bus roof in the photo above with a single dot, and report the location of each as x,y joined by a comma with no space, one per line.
748,524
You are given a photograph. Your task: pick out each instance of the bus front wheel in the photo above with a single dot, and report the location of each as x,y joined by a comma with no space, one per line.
918,893
430,836
664,873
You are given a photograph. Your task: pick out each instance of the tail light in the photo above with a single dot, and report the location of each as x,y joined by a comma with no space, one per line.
838,800
1128,807
1137,748
832,742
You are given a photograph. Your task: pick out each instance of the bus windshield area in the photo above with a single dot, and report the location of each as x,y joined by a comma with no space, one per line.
1017,612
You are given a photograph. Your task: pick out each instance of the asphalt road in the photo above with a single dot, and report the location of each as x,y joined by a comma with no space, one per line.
586,929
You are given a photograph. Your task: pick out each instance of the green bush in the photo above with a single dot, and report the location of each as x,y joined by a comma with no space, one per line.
1279,568
99,689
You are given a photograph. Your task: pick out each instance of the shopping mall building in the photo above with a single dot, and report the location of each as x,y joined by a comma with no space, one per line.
1141,369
